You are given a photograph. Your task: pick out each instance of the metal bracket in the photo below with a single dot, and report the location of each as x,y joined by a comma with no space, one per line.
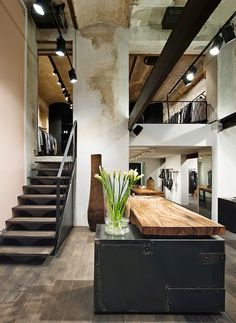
212,258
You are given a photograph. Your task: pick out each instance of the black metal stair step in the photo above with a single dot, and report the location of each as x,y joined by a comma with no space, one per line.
25,207
24,219
48,177
42,186
26,251
40,196
29,234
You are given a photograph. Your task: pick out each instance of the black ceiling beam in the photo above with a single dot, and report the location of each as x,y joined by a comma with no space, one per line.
72,14
132,67
193,18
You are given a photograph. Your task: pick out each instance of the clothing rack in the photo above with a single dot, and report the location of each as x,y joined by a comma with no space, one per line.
47,143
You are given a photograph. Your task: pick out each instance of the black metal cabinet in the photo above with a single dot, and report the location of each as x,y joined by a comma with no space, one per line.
136,274
227,213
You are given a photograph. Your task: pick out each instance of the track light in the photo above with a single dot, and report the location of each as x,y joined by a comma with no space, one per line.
67,97
185,80
71,106
54,72
191,73
63,87
41,6
61,46
216,46
59,82
72,76
64,91
228,33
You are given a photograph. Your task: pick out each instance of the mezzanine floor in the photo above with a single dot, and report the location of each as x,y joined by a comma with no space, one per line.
61,288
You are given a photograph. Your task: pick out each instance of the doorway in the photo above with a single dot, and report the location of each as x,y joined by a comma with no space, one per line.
55,100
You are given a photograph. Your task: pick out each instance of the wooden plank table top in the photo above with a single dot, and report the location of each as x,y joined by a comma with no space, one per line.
146,191
205,188
159,216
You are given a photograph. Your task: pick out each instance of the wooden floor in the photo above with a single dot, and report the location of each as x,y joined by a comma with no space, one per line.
61,288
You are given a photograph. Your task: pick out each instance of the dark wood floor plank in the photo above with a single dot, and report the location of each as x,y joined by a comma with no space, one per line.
61,289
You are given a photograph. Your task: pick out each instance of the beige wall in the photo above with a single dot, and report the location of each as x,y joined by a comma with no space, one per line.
43,114
12,23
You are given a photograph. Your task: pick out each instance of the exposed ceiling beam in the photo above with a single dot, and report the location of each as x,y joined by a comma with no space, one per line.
193,18
72,13
132,66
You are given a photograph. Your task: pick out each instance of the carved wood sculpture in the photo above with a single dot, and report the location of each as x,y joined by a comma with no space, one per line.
96,208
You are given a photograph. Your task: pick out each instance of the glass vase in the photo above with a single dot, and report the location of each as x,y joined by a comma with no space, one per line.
116,227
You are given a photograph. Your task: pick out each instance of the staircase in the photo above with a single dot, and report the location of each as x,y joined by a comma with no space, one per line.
44,214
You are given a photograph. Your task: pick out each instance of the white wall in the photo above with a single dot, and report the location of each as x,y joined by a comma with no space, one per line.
174,135
151,168
100,105
227,163
186,166
227,80
174,163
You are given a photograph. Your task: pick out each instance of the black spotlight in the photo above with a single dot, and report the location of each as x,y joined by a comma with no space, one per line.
64,91
61,46
41,6
137,130
216,46
186,81
191,73
228,33
72,76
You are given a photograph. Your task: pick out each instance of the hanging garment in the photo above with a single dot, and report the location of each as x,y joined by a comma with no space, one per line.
192,181
186,113
199,112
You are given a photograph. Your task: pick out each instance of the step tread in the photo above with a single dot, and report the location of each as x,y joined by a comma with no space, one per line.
27,251
44,186
30,234
41,219
48,177
35,207
40,196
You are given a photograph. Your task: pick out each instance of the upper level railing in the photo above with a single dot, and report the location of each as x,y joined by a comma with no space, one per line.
65,177
185,111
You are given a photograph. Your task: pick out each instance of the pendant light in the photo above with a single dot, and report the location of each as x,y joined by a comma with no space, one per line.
61,46
216,46
72,76
41,6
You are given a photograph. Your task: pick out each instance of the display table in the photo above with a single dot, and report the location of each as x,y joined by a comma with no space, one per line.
159,216
204,189
140,274
146,191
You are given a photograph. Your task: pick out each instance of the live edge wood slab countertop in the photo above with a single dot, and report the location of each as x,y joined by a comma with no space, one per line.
159,216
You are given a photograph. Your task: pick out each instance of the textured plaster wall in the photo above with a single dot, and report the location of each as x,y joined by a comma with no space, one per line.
12,24
100,104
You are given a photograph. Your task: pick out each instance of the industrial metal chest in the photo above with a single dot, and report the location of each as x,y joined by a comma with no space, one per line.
151,275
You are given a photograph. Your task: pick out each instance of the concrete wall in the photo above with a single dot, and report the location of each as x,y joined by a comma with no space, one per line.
12,55
100,104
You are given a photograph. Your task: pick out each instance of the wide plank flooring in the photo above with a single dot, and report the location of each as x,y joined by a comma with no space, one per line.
61,288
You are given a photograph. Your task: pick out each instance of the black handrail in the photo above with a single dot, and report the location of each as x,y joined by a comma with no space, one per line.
67,170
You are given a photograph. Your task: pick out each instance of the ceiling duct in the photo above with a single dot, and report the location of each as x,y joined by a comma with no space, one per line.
171,17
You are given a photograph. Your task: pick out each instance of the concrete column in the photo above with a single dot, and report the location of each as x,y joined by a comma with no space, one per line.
100,104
